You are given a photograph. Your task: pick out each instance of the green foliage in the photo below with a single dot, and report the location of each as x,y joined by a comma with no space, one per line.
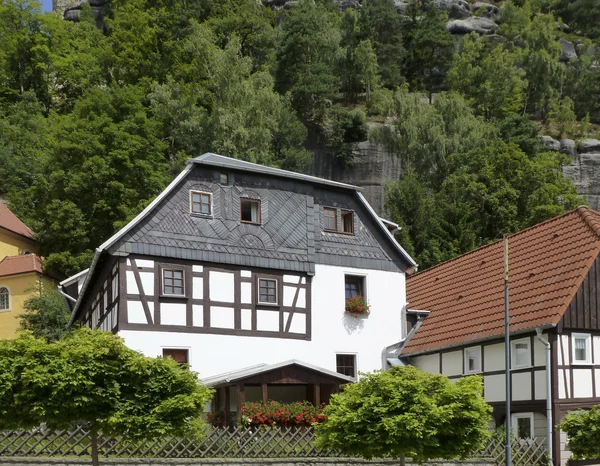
581,14
91,376
562,116
46,316
342,128
406,412
581,428
490,80
271,413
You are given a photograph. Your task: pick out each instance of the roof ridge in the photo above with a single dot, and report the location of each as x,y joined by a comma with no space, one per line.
591,218
537,225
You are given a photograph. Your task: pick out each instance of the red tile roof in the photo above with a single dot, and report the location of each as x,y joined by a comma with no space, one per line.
547,264
12,265
9,221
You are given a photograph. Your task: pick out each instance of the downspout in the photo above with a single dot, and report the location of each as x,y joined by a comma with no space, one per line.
538,332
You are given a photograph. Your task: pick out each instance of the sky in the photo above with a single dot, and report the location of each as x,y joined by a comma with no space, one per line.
46,5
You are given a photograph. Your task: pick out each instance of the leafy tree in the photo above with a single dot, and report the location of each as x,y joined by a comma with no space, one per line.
306,56
581,14
582,84
342,128
581,429
562,116
515,19
491,80
407,413
380,23
365,67
46,316
92,377
429,48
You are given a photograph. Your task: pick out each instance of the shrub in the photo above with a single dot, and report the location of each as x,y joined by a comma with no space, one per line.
301,413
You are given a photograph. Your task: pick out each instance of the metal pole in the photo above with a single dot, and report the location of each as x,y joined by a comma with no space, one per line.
548,393
507,354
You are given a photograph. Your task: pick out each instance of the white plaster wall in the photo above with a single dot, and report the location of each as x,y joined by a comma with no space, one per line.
494,387
564,390
428,363
539,351
540,427
452,363
494,357
332,330
596,346
582,383
521,386
540,385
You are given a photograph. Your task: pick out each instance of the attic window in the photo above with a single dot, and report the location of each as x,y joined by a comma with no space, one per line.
329,219
348,222
250,211
224,178
200,203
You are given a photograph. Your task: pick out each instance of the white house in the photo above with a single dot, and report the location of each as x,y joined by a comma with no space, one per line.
243,272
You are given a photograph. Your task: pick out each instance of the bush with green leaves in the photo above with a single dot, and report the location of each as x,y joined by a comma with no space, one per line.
582,430
91,377
405,412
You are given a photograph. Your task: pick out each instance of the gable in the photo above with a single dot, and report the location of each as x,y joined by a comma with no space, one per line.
290,236
583,311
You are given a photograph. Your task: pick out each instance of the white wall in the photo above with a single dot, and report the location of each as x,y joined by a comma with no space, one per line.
333,331
428,363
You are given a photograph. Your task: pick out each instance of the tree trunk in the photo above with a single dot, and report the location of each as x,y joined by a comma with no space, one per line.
94,442
402,461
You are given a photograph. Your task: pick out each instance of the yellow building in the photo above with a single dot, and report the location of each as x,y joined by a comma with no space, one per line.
21,273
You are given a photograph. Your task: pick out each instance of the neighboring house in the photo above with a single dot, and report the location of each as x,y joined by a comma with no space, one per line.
456,312
242,271
21,273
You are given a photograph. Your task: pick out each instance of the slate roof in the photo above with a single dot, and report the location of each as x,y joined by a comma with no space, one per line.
13,265
547,264
10,222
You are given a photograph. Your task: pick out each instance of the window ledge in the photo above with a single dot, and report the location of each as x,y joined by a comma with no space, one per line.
5,310
198,215
268,304
175,296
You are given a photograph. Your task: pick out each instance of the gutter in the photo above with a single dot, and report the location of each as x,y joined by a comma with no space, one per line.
546,343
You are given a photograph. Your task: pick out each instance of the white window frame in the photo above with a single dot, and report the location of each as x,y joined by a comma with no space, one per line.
210,196
466,359
267,303
162,282
513,353
9,308
514,423
588,347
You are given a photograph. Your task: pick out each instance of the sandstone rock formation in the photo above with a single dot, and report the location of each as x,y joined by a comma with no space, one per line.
568,50
487,9
473,24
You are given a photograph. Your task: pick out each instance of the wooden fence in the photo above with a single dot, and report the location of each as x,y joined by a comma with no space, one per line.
237,442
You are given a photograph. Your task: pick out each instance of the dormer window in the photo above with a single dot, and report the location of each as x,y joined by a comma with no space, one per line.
200,203
329,219
250,211
348,222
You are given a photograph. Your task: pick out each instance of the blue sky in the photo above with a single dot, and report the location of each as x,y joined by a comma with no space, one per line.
46,5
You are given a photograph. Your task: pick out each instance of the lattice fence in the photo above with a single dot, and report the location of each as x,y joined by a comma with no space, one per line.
237,442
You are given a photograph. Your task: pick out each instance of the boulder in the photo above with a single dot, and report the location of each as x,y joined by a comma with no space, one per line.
589,145
587,49
401,6
568,50
456,9
73,12
551,143
486,9
567,146
466,26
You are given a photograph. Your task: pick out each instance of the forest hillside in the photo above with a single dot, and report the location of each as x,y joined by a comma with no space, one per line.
97,116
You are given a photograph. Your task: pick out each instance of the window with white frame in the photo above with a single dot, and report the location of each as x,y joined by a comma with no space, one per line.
473,360
267,291
173,282
582,348
4,299
200,203
521,353
522,425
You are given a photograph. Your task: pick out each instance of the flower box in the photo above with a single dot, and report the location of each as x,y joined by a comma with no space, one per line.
357,306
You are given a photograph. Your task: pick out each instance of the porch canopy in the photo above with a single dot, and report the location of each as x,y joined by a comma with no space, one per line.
286,381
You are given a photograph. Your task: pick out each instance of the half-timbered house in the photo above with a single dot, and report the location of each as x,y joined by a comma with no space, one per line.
456,322
236,268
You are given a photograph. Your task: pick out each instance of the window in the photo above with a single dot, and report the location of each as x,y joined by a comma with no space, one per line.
348,222
522,425
224,178
472,360
581,348
181,356
329,219
354,286
521,354
200,203
250,210
346,364
173,282
267,291
4,299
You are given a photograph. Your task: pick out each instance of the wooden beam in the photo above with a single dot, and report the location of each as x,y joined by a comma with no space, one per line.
265,392
317,394
241,399
227,406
